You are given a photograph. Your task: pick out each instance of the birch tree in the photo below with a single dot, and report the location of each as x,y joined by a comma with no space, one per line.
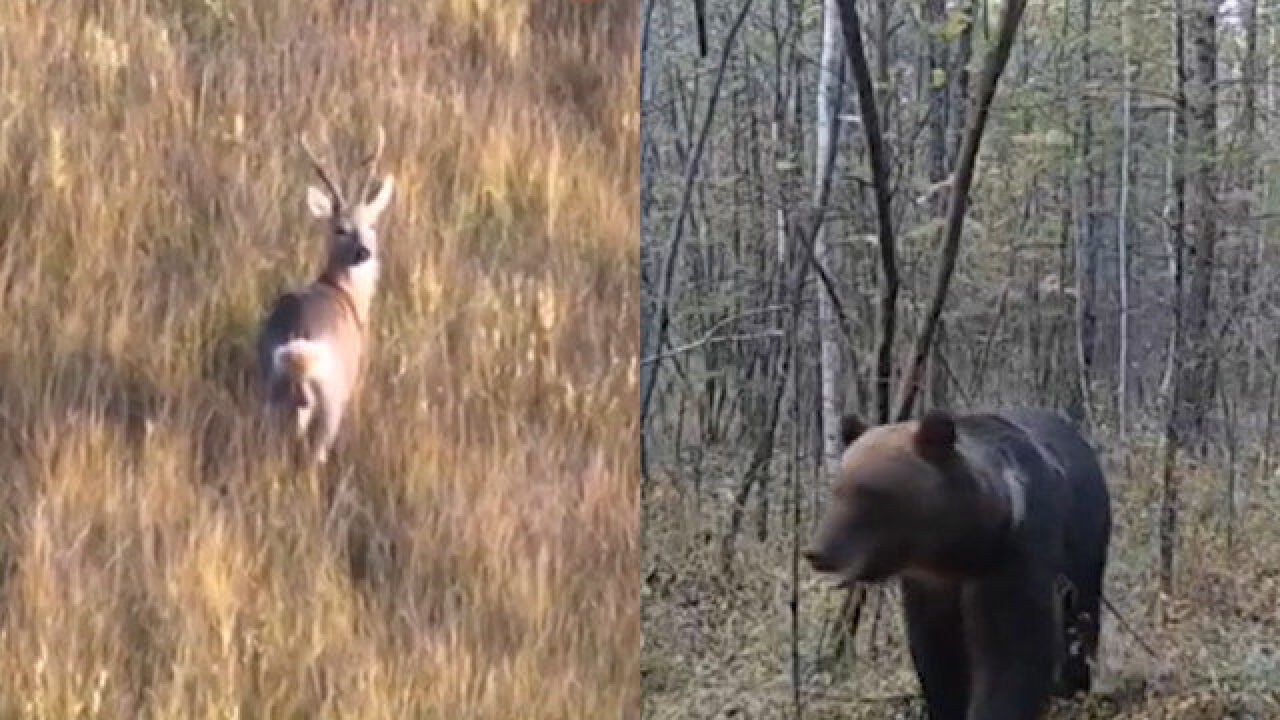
830,76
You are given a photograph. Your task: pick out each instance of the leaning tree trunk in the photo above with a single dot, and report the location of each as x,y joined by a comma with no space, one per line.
958,203
879,157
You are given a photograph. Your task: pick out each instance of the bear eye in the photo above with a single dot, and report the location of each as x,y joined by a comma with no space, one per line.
873,492
875,497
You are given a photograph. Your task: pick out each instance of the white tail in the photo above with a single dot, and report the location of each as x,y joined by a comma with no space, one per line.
302,360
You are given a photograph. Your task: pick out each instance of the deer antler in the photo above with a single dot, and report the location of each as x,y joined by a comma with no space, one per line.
334,189
372,162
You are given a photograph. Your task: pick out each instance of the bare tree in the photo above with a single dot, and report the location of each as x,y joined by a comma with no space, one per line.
1122,222
1087,248
1191,385
879,156
829,78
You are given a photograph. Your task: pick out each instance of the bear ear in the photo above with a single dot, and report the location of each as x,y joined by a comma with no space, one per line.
850,429
936,434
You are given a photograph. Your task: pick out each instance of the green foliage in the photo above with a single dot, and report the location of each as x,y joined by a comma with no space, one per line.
955,25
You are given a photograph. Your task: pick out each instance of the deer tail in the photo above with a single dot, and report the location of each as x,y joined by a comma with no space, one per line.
300,359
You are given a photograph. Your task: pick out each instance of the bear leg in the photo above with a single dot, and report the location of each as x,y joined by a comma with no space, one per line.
1014,644
1081,622
935,633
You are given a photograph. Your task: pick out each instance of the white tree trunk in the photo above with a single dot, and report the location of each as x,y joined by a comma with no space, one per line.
832,56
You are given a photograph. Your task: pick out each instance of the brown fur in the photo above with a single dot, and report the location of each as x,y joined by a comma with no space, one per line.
980,516
886,484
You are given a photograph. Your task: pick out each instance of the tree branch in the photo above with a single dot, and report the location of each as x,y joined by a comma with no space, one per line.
710,335
996,61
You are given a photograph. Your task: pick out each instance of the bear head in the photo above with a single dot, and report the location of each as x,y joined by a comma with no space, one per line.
905,500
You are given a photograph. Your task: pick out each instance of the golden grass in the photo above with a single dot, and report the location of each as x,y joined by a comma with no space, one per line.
471,552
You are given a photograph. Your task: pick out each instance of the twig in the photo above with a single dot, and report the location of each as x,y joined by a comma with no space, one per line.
951,373
707,340
1129,628
979,374
709,335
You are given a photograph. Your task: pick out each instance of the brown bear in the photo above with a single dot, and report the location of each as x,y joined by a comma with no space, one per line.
997,525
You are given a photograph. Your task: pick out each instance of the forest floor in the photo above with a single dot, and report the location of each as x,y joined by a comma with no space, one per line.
471,549
721,646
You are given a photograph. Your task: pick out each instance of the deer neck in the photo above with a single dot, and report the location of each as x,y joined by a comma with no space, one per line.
355,287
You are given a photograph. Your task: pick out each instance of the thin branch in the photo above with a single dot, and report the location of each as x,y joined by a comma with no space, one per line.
996,61
710,335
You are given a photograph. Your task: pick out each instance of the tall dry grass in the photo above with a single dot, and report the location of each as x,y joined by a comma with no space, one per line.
471,552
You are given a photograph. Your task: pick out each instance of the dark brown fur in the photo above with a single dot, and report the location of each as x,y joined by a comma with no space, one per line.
984,518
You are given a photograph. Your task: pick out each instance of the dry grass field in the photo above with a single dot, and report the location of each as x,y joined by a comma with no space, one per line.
471,550
720,647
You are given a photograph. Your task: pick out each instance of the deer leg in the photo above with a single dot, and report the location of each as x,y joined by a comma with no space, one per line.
324,425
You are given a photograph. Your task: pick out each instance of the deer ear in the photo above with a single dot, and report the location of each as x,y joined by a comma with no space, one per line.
374,207
319,202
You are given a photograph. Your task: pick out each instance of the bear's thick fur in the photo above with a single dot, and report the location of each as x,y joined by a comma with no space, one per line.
997,525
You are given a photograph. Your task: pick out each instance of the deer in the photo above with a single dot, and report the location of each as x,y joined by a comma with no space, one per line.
311,344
